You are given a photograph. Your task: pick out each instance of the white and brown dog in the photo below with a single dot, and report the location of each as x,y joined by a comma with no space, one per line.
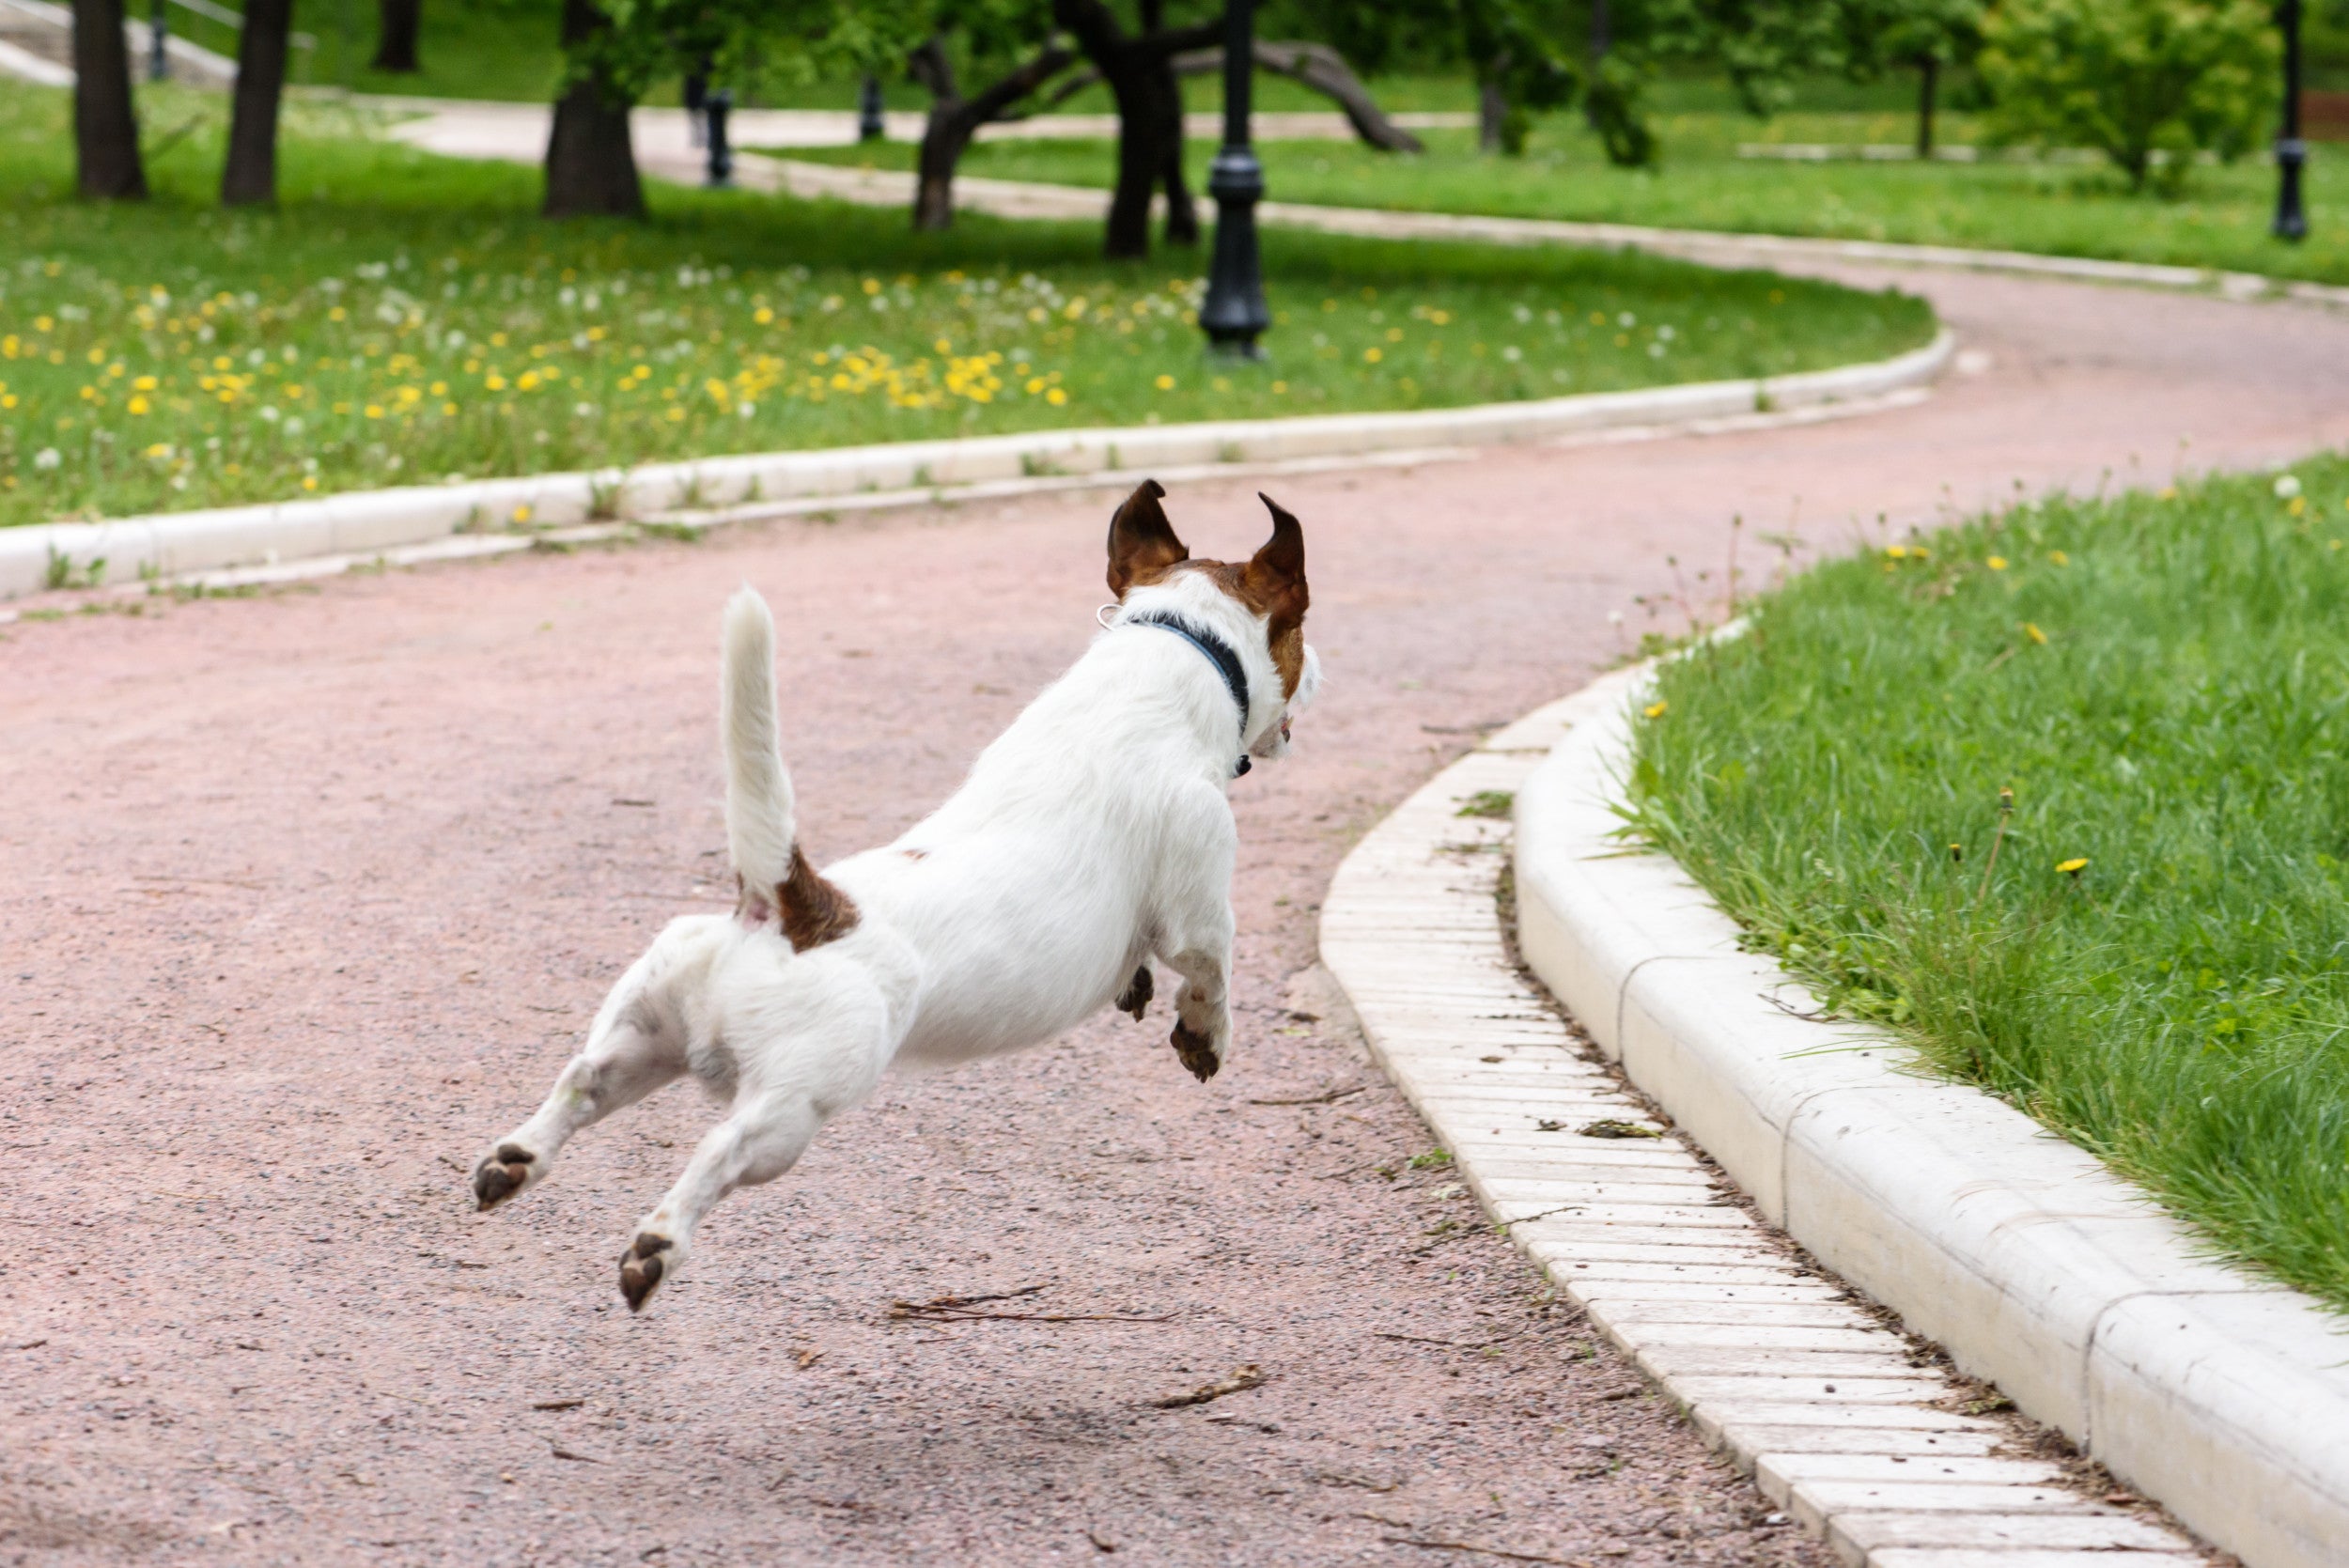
1092,836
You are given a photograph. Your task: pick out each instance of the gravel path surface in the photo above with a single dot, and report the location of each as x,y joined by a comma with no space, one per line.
307,895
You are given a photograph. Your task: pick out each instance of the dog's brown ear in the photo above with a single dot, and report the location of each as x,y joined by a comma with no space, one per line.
1276,576
1141,542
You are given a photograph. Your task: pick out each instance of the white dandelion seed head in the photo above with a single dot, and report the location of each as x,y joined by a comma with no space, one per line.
2287,486
47,457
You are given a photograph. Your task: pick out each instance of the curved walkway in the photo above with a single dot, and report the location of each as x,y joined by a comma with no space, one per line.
308,894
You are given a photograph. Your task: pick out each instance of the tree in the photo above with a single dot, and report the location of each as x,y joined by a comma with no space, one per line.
250,175
397,24
591,160
1312,65
105,125
2147,82
953,119
1139,70
1516,71
1927,35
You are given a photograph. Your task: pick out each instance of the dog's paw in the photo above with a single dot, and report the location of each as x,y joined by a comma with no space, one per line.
1199,1052
649,1259
1135,1000
502,1174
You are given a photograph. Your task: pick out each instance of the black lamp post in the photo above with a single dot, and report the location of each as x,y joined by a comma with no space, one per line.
1235,314
2291,221
158,43
871,125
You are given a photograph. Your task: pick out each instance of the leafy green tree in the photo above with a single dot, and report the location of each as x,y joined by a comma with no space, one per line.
2147,82
1009,49
1926,35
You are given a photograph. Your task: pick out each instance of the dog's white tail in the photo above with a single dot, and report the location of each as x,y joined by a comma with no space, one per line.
758,791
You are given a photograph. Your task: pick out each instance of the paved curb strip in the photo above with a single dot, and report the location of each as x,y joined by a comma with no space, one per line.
368,521
1803,1388
2223,1396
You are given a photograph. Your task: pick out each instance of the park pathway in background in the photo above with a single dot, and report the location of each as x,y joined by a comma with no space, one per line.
310,892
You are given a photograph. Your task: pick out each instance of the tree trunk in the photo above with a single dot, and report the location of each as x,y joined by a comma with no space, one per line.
250,176
106,126
591,161
398,21
1492,116
1928,79
1133,67
955,120
1182,216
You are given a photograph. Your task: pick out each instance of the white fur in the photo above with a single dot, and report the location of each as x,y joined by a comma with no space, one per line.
1091,837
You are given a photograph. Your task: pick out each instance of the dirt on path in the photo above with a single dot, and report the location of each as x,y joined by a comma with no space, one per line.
307,895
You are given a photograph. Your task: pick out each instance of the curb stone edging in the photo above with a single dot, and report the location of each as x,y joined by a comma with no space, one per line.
1840,1422
2222,1395
365,521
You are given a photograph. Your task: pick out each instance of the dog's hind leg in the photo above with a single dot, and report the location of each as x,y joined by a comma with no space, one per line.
630,1053
763,1138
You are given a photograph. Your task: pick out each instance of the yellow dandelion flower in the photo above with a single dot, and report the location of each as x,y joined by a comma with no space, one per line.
1056,396
521,513
2074,866
309,481
2167,492
1897,552
337,314
2033,632
1372,356
1656,709
494,381
762,314
1164,384
529,382
136,405
1996,563
375,410
145,383
872,285
2298,505
2059,558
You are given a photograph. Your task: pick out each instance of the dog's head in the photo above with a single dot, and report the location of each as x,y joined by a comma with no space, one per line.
1265,594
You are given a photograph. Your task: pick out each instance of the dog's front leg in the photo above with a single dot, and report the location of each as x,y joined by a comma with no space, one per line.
1196,940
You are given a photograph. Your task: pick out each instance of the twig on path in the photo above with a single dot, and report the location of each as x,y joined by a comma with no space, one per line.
1322,1098
567,1453
960,1309
1455,1345
558,1403
1241,1381
1473,1546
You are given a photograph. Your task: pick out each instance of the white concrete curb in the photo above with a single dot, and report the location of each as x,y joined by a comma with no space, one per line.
1840,1424
183,544
2223,1396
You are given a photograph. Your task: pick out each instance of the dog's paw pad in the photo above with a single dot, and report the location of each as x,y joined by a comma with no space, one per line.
1195,1052
1136,998
502,1175
641,1269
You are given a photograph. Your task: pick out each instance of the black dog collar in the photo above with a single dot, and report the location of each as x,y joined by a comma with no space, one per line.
1219,652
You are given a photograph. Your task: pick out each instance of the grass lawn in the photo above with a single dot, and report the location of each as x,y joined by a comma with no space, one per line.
2156,965
405,317
2055,208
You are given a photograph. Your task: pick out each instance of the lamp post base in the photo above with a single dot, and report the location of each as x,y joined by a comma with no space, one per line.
2292,219
1234,314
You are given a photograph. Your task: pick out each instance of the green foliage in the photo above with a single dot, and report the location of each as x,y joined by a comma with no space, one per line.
2147,82
2154,966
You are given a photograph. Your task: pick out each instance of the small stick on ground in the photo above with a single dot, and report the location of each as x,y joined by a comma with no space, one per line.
1473,1546
1241,1381
1322,1098
558,1403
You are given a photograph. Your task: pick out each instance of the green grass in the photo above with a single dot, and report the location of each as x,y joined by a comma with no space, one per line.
404,317
2163,683
2051,209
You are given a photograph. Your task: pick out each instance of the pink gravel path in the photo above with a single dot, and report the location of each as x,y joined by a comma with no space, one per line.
308,894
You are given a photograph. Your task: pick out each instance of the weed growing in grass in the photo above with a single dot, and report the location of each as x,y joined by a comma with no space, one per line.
2059,796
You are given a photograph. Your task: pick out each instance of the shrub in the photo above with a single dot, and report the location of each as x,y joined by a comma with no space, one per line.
2146,83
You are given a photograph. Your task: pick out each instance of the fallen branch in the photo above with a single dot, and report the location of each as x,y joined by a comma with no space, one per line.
558,1404
1241,1381
1325,1098
961,1309
1454,1344
1473,1546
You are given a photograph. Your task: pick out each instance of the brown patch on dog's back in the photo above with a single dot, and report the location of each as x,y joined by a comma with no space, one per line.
814,910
